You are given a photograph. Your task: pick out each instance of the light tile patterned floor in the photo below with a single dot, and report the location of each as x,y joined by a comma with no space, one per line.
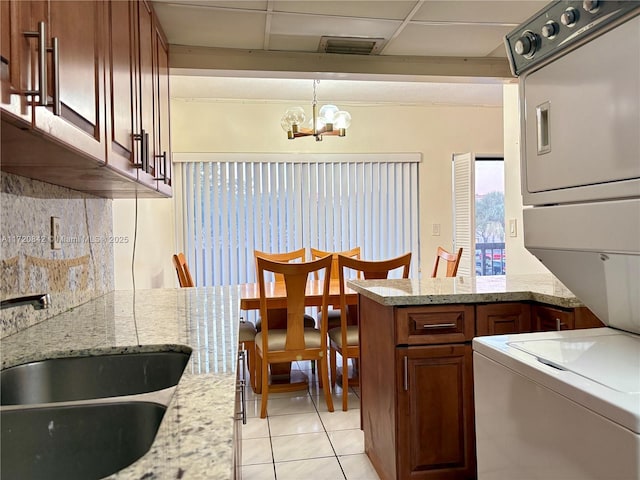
301,440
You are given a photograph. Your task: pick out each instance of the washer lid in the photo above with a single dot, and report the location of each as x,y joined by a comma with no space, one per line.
610,360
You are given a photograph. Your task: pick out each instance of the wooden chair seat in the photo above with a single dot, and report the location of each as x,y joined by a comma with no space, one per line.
247,332
335,335
278,338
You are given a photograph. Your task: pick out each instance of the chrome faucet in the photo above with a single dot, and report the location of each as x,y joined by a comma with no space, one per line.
38,302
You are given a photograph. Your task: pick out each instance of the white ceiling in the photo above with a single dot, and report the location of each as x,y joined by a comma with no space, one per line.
458,31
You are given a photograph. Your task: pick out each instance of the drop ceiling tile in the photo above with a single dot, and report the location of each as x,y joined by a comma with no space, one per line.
309,25
234,4
297,43
504,11
202,26
447,40
397,9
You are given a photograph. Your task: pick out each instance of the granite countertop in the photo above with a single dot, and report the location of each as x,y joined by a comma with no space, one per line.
543,288
195,438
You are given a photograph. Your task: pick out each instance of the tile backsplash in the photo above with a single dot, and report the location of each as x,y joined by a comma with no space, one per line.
80,270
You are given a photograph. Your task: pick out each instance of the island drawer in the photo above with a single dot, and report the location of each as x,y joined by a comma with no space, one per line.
435,324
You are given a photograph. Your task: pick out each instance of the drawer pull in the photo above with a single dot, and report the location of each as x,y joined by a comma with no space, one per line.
439,325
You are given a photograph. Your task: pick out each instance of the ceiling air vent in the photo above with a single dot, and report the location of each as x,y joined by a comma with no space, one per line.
351,45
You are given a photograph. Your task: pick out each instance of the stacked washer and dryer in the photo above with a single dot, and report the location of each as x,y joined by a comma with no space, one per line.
566,405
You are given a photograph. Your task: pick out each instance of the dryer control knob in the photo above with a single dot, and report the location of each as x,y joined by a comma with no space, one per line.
550,29
591,6
527,44
570,17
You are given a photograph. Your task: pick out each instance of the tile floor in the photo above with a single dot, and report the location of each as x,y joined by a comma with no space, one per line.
301,440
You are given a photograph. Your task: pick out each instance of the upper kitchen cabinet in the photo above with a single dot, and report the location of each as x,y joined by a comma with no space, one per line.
79,96
55,72
139,95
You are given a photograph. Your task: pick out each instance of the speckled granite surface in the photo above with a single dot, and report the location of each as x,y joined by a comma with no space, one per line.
543,288
195,439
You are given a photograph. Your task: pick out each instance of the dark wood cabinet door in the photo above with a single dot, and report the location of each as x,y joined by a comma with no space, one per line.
435,412
121,21
145,89
545,318
162,127
16,51
78,27
503,318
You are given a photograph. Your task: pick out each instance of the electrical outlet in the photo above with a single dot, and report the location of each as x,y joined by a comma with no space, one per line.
513,227
56,243
435,229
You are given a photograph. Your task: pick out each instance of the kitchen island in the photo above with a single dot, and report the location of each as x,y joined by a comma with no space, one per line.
195,439
416,373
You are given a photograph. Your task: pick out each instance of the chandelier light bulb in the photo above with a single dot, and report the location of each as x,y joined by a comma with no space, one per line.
328,112
342,119
285,124
295,116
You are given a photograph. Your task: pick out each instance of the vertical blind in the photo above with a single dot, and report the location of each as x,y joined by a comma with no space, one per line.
234,207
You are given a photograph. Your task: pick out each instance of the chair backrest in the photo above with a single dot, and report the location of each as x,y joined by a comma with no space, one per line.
184,275
295,276
371,270
295,255
335,272
452,259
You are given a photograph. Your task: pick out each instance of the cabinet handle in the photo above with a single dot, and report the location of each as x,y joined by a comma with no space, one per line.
55,60
559,324
243,385
41,35
164,167
143,138
406,373
439,325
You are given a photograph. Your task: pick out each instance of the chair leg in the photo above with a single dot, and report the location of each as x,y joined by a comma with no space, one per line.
324,370
265,388
332,358
345,381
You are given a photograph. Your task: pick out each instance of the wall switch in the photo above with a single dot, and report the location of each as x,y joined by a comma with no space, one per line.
513,227
435,229
56,241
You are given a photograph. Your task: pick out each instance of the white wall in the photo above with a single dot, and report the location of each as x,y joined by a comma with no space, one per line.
154,239
519,260
436,132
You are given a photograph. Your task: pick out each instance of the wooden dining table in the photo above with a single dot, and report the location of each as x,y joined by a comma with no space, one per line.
276,295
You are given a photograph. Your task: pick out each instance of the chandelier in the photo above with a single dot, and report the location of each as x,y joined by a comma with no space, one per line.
329,120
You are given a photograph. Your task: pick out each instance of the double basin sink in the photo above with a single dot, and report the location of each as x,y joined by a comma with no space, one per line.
83,417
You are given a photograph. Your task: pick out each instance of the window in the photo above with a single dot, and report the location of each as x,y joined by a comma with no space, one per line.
478,191
235,203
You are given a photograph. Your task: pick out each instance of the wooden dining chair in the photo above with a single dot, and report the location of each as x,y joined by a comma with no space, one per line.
334,313
294,342
452,259
345,338
278,315
184,274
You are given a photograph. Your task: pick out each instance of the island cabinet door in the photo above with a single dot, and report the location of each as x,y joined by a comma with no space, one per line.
503,318
436,438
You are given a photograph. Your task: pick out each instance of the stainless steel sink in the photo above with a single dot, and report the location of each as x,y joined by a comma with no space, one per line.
76,442
84,378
